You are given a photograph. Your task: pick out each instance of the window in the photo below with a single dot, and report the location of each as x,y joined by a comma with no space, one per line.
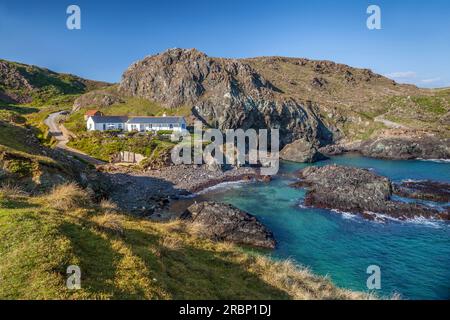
171,126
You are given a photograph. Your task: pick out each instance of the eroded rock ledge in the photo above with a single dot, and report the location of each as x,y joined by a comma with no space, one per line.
358,191
424,190
224,222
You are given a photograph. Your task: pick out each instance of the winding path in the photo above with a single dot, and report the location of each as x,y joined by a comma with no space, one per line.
52,122
389,123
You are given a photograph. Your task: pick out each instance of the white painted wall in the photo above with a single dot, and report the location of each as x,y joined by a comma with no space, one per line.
155,127
92,126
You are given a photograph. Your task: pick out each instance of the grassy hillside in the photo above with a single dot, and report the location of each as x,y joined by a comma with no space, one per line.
21,83
351,98
122,257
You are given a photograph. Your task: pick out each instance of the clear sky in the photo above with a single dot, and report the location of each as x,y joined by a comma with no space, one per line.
412,46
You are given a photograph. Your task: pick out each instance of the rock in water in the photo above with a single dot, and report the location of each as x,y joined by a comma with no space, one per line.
358,191
223,222
407,148
424,190
301,151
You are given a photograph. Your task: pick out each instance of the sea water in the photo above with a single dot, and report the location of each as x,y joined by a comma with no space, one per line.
413,256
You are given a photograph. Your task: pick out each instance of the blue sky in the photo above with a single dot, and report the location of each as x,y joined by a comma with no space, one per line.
413,45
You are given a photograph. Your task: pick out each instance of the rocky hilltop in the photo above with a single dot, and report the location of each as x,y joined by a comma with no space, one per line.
224,93
319,102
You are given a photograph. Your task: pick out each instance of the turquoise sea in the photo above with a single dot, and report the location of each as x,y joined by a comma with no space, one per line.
414,256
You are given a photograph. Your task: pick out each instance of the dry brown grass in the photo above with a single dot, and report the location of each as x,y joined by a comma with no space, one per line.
12,191
68,196
108,207
110,222
171,243
298,281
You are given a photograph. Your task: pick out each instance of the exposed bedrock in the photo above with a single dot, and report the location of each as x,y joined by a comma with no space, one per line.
358,191
224,222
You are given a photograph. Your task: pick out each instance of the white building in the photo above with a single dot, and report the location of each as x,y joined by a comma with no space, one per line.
140,124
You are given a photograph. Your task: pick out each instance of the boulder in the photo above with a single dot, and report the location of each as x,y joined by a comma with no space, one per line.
301,151
224,222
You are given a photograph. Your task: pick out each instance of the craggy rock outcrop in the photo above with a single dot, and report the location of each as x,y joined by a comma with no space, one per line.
424,190
358,191
426,147
99,98
301,151
224,93
223,222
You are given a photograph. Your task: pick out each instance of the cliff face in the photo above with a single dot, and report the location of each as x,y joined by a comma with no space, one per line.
318,101
224,93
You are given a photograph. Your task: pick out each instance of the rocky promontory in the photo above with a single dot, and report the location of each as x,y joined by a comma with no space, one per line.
358,191
223,222
406,148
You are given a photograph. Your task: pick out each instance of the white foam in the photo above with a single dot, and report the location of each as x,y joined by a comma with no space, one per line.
412,180
222,185
382,218
345,215
435,160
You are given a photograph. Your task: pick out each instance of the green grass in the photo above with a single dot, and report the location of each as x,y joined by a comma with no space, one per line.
102,145
15,137
131,107
145,260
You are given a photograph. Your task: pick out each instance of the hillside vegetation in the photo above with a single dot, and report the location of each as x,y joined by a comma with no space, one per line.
21,83
104,145
351,98
123,257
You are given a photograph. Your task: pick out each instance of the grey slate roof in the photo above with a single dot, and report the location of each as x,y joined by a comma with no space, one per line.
109,119
155,120
123,119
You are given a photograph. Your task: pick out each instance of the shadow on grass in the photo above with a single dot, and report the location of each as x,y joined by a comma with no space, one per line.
97,260
23,110
191,273
16,204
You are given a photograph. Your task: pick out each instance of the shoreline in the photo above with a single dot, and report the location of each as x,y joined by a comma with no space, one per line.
150,193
